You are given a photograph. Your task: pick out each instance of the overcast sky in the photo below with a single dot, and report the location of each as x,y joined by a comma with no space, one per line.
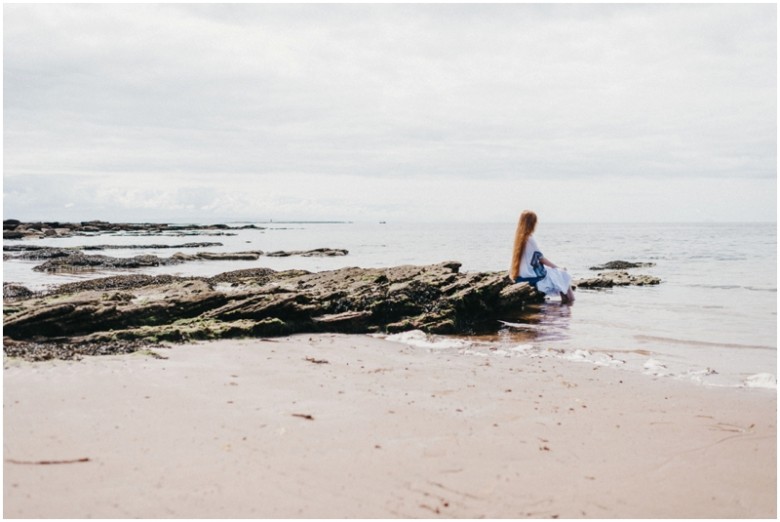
584,113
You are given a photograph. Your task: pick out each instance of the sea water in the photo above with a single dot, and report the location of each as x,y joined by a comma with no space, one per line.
712,320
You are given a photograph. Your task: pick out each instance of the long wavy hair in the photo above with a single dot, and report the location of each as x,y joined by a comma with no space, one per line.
525,227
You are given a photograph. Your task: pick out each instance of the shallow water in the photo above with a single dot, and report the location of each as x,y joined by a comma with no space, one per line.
712,320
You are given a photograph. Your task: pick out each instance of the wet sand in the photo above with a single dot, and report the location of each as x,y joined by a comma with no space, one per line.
353,426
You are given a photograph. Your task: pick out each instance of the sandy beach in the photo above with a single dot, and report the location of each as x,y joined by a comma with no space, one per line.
319,426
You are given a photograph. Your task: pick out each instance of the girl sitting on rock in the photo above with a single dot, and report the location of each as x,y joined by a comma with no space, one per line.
530,266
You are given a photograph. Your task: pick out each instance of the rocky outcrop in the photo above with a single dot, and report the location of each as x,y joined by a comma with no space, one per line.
14,291
616,278
79,262
218,256
621,265
262,302
317,252
72,260
15,229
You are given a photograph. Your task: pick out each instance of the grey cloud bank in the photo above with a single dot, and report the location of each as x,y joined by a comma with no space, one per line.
413,112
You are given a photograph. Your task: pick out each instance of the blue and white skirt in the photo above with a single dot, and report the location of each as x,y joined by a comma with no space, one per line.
547,280
555,282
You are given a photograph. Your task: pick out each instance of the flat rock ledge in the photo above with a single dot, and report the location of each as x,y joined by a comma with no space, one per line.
123,313
617,278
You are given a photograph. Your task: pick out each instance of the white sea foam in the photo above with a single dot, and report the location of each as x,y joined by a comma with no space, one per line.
761,380
469,351
698,376
598,359
654,367
522,348
420,339
501,353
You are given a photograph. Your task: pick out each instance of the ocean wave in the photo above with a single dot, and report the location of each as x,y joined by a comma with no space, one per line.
719,258
732,287
716,287
691,342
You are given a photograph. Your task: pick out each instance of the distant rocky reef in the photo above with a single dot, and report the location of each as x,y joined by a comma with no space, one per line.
15,229
74,260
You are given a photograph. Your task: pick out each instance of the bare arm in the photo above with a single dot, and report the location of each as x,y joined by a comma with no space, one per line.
547,262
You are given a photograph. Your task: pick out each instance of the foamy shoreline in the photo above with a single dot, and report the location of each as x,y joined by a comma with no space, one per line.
630,360
355,426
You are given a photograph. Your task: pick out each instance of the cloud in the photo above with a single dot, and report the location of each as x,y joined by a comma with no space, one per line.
215,98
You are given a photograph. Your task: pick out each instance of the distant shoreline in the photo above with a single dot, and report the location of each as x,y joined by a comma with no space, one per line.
235,221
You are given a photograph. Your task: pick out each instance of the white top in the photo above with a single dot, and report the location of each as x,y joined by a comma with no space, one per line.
531,246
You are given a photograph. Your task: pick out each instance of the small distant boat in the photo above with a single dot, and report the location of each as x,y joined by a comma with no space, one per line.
383,222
